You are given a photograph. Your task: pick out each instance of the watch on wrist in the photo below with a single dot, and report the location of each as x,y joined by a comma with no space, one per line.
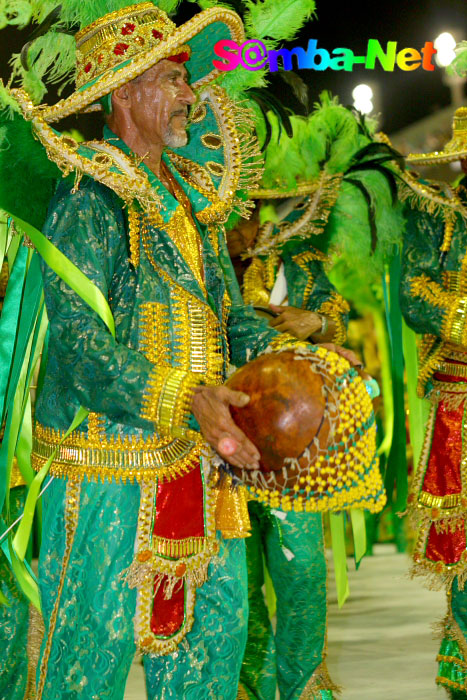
324,325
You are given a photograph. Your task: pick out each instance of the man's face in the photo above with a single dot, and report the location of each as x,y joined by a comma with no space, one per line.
159,101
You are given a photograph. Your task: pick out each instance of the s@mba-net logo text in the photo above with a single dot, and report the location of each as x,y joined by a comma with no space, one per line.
254,55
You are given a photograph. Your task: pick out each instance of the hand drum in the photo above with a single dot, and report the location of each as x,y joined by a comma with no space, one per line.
312,421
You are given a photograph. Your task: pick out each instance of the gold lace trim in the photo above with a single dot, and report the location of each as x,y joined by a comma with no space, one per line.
335,308
72,499
113,457
148,565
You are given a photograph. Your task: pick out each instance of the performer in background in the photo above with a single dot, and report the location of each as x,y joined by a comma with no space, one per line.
434,303
287,278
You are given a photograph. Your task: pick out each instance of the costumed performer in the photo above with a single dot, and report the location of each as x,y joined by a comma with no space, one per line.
290,279
434,303
126,566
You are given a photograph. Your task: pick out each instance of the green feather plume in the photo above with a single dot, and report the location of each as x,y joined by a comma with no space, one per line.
28,177
15,12
280,20
8,104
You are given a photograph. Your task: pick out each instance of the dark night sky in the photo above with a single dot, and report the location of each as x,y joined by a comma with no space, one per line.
405,96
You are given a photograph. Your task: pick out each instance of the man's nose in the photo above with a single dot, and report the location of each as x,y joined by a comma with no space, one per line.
187,95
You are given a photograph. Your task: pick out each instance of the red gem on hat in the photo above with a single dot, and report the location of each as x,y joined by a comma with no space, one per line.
156,34
87,67
180,57
120,49
128,28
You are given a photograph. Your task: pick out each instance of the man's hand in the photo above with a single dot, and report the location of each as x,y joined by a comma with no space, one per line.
298,322
210,407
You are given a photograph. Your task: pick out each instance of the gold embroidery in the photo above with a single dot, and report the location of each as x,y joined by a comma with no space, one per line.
215,168
96,430
455,309
255,291
212,141
259,279
178,548
134,228
73,491
179,293
167,400
232,518
35,634
114,457
335,308
154,330
198,113
301,261
451,500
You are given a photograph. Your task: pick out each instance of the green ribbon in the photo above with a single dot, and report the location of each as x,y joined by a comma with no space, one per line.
24,574
9,324
70,274
21,538
357,517
337,527
418,408
396,474
92,295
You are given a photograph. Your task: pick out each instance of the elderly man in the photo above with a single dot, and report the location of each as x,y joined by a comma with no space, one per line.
138,564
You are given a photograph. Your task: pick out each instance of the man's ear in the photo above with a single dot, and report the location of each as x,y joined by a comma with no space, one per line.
122,96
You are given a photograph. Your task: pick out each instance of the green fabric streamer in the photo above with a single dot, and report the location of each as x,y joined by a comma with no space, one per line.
24,574
396,474
418,408
270,595
21,538
337,526
96,300
9,322
70,274
357,517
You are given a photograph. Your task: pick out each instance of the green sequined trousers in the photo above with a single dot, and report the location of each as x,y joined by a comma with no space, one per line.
14,621
291,656
452,657
89,645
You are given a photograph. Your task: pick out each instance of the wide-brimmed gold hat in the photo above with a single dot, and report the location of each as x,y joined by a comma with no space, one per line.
455,149
124,44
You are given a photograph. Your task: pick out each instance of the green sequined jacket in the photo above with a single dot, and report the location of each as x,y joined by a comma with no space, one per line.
308,285
174,330
433,292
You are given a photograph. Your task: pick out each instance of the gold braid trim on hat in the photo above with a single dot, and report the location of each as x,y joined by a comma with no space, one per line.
128,67
429,198
455,149
109,165
243,162
312,222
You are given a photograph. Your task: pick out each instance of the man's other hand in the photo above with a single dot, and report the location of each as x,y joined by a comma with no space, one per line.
300,323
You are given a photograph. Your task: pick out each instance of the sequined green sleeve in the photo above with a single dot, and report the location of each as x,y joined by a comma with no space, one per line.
91,368
248,334
427,303
309,287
